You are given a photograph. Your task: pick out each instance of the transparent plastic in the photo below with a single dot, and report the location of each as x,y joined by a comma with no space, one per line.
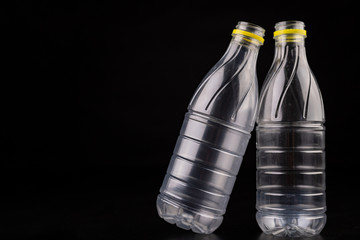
213,139
290,143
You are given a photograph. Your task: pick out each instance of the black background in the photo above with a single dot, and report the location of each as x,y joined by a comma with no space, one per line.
93,96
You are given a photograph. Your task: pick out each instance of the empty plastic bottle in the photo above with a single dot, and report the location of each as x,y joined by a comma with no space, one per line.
290,141
213,137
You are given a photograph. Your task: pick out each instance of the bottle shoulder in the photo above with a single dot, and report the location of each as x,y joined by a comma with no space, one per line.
230,91
290,94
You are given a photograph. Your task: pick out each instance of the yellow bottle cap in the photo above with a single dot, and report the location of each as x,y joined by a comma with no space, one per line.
249,34
290,31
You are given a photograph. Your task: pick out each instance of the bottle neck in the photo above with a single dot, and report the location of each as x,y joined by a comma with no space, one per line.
291,48
246,42
248,35
242,52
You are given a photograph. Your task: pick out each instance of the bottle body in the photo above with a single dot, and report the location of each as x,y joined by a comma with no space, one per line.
290,135
212,141
201,173
291,179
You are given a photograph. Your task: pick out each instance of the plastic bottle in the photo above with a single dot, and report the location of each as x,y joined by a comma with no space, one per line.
213,137
290,139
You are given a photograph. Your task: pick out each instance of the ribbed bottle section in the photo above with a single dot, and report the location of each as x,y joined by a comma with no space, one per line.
291,177
202,173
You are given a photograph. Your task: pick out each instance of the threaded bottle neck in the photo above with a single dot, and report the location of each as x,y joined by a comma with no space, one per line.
248,34
290,41
290,32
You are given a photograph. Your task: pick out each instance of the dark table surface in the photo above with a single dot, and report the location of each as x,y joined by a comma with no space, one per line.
119,203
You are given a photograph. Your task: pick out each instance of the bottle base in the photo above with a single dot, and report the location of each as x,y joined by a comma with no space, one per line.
291,225
186,218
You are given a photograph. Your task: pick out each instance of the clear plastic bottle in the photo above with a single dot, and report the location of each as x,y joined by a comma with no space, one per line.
213,137
290,141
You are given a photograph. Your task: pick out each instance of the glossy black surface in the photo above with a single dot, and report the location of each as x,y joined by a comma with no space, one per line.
102,204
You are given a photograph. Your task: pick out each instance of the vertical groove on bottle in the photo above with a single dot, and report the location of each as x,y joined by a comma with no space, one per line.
276,72
234,115
232,78
203,83
306,104
290,80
